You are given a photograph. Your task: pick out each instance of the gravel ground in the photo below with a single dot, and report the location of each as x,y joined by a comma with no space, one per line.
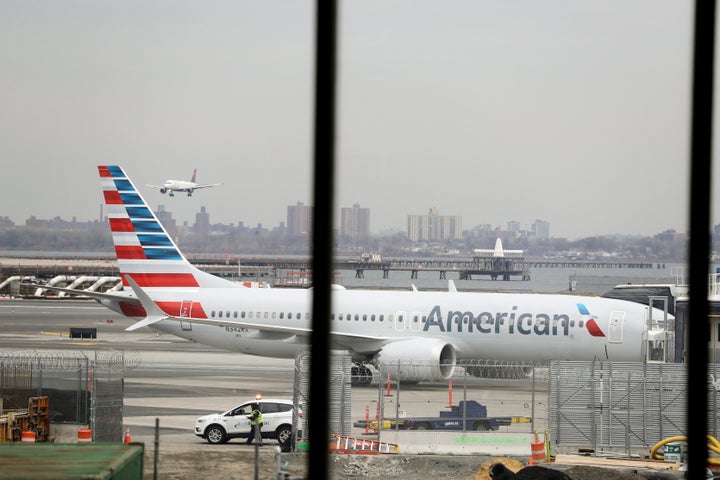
182,464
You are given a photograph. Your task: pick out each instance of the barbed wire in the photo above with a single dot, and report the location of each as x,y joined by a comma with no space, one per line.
33,360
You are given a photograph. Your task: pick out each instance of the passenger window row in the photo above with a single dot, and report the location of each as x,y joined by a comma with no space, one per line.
357,317
298,316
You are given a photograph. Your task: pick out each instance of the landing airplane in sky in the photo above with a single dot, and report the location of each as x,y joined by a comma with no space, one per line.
171,186
433,329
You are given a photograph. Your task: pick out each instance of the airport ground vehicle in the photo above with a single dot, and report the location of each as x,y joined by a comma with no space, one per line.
234,423
467,415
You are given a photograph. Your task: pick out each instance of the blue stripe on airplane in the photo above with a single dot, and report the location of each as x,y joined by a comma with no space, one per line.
123,184
162,254
131,198
115,171
139,212
154,241
146,227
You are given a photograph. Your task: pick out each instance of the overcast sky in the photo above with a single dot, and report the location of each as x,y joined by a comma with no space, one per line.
576,113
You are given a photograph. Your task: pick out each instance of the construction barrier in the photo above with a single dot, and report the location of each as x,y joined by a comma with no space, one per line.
352,445
127,438
84,435
28,436
537,451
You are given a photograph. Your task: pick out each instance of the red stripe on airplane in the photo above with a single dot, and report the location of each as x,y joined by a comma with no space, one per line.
171,308
112,197
197,310
593,328
104,171
132,309
126,252
187,310
162,280
121,225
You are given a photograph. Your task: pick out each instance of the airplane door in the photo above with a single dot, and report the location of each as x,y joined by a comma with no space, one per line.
615,328
186,312
402,321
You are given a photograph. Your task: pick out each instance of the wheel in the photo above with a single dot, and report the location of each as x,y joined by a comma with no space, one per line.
481,426
215,434
284,434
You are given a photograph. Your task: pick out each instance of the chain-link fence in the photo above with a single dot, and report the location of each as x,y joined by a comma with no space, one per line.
622,406
81,389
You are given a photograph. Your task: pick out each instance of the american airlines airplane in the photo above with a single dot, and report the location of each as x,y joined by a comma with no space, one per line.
436,329
171,186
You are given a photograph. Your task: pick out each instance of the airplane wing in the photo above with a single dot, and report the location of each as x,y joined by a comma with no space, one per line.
206,185
155,186
117,296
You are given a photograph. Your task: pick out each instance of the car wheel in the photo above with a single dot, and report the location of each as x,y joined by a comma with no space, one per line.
215,434
283,434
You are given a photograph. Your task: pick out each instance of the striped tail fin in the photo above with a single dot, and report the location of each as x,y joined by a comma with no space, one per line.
194,177
143,247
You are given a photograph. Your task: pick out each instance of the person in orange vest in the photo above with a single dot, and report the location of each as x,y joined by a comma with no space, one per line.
256,423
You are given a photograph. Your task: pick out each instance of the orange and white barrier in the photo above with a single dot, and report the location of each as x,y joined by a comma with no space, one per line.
84,435
127,438
28,436
537,451
345,444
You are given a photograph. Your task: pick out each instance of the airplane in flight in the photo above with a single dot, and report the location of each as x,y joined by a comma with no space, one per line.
433,331
172,186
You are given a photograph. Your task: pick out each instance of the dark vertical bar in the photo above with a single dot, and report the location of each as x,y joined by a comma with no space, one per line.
322,236
700,185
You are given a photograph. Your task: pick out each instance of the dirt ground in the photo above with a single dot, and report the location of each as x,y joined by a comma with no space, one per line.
239,463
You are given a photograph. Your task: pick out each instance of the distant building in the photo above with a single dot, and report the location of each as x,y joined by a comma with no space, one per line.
355,222
299,219
541,229
5,222
513,228
34,222
167,220
202,223
433,227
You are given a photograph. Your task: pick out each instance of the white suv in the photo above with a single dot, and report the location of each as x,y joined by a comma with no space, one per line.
221,427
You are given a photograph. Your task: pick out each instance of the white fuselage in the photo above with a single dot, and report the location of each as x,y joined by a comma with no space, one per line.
499,326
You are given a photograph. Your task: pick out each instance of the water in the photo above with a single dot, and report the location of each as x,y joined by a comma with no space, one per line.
542,280
594,281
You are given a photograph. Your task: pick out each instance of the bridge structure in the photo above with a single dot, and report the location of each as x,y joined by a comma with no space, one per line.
281,267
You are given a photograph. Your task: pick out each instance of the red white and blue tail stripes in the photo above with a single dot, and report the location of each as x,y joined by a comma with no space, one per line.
144,249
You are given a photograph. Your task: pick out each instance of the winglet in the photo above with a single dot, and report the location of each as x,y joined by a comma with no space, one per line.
413,287
153,312
451,287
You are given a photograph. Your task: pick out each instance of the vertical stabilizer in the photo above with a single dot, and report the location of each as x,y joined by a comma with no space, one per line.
194,177
498,252
144,249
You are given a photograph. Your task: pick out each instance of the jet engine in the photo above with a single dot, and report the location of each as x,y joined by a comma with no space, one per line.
417,360
163,190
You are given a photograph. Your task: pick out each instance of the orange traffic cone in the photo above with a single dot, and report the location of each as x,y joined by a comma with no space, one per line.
127,435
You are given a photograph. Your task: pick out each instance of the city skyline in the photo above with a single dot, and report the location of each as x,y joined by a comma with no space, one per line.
444,228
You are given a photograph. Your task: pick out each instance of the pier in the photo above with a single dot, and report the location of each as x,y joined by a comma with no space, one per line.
488,266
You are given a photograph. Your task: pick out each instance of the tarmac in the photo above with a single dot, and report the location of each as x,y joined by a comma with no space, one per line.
174,381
